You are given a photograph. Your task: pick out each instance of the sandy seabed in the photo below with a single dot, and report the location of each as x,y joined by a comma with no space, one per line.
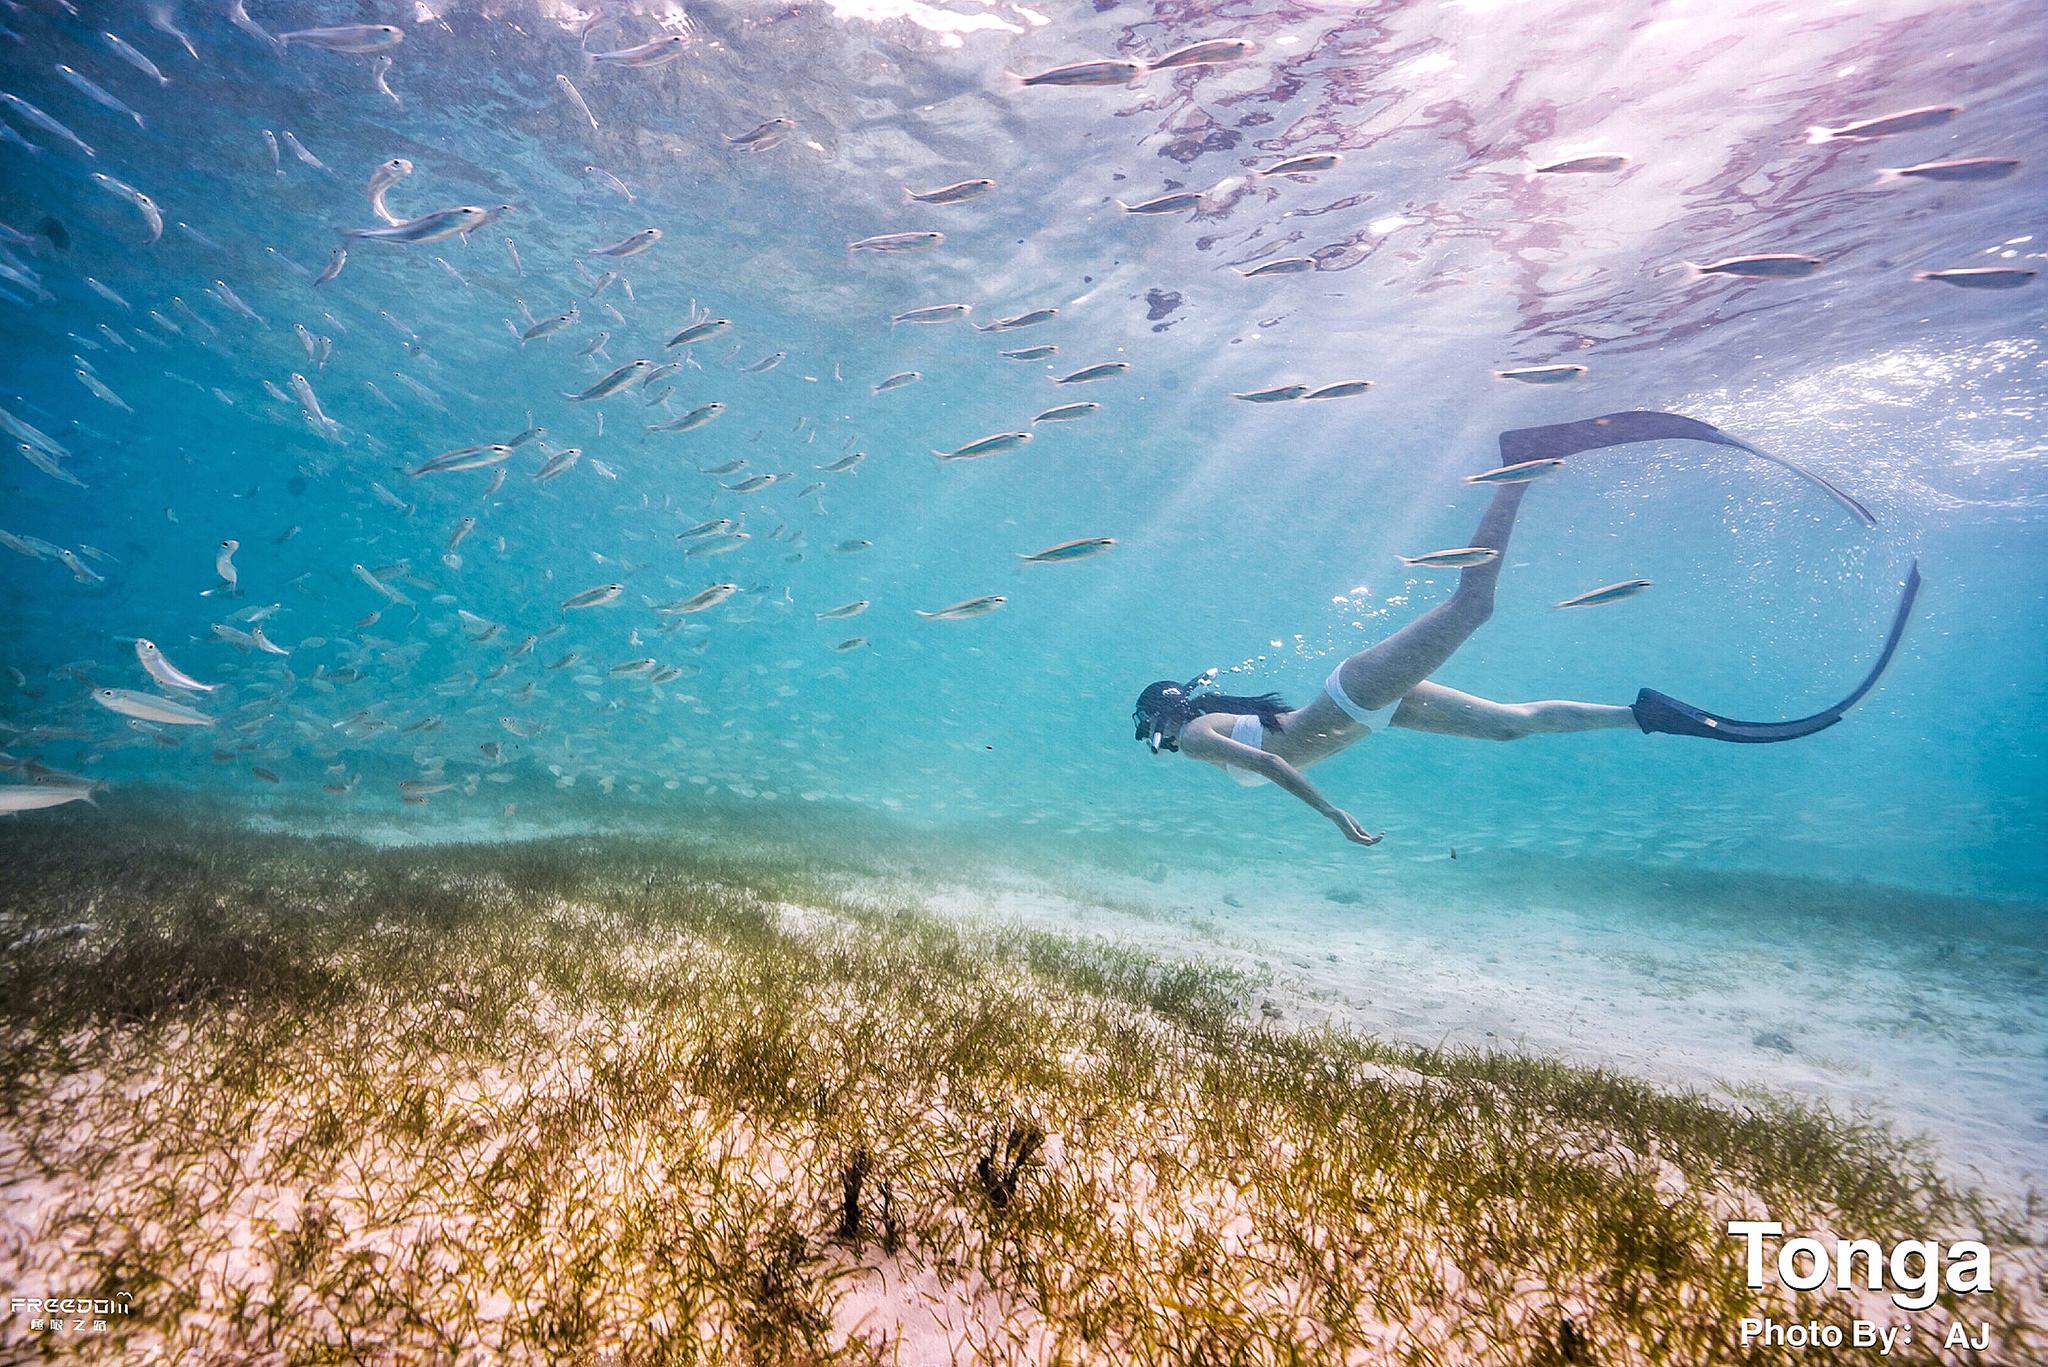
624,1100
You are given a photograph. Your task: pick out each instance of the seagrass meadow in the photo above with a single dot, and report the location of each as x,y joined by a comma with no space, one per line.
627,1099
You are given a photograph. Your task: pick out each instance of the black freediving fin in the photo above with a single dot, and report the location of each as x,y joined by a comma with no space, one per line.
1660,712
1619,429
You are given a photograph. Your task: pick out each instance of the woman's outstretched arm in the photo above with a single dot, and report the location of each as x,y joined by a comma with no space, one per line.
1205,745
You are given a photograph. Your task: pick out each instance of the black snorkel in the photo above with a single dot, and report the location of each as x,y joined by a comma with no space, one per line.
1165,705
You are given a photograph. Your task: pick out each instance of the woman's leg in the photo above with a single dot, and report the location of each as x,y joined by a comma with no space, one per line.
1447,712
1385,672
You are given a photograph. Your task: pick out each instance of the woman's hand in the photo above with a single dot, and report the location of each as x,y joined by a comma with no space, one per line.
1353,832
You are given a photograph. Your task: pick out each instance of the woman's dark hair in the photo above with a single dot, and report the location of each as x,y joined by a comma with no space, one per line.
1267,707
1178,702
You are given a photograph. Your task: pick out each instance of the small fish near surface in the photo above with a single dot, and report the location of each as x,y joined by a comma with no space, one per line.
1178,202
1087,74
1089,374
1909,121
1277,394
349,38
986,446
1286,265
434,227
692,420
1522,472
631,245
643,56
1542,374
1964,169
898,380
625,377
1606,593
593,598
1457,558
1584,166
1066,551
1342,389
1208,53
958,192
965,608
935,313
1980,277
1307,164
1769,266
698,332
897,242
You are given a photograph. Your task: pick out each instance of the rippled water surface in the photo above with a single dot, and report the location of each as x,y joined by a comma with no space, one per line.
1258,539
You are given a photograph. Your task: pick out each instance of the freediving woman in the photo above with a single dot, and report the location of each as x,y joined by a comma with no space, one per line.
1261,740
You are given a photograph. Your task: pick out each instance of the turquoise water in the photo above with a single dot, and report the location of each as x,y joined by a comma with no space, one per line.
1260,540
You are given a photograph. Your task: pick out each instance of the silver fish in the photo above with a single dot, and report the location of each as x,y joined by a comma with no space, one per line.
144,205
625,377
1031,353
380,73
1962,169
1020,320
433,227
1067,412
966,607
698,332
1286,265
1079,549
1088,74
1458,558
1910,121
844,610
161,19
1521,472
333,267
593,598
1178,202
658,52
1979,277
1583,166
1607,593
934,313
1277,394
762,136
25,110
1207,53
1308,163
1087,374
144,707
986,446
898,380
1543,374
576,98
700,601
897,242
1342,389
350,38
628,246
951,194
97,95
1769,266
387,174
691,420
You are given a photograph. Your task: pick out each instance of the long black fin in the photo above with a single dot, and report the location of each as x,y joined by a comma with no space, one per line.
1660,712
1619,429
